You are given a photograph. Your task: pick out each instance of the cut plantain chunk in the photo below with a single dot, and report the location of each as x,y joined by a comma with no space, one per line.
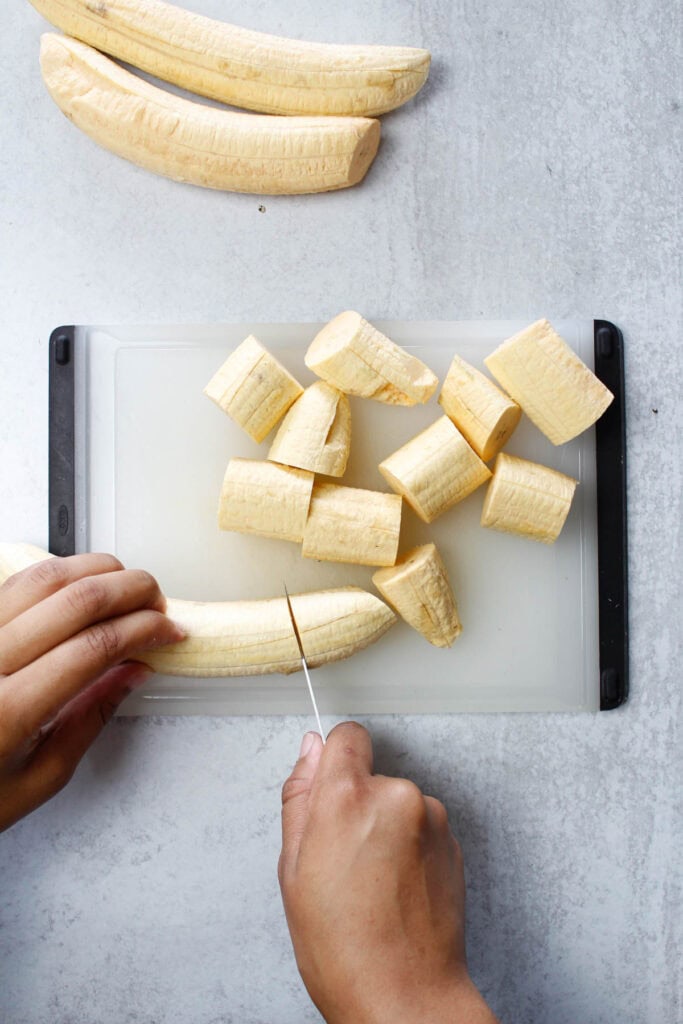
527,499
481,411
419,589
348,524
554,387
435,470
355,357
316,432
253,388
265,498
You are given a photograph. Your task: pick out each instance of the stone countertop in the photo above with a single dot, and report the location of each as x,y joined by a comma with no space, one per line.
539,173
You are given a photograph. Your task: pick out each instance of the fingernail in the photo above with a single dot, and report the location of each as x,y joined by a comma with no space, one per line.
171,634
306,743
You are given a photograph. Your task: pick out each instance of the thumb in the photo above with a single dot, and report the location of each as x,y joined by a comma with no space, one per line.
66,739
295,793
81,720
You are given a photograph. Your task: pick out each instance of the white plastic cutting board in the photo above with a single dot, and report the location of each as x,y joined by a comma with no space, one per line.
151,451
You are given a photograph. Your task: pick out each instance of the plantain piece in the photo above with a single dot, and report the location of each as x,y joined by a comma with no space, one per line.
355,357
16,557
265,498
348,524
419,589
203,145
554,387
241,67
253,388
482,412
527,499
316,432
244,638
435,470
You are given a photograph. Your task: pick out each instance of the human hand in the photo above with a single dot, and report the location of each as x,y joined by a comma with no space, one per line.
373,887
66,625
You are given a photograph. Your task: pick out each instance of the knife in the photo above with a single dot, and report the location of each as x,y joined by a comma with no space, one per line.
304,664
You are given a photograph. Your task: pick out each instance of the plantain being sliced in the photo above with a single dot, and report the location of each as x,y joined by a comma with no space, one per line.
202,145
244,638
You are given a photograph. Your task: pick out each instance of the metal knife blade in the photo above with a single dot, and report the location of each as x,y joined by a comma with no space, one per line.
304,664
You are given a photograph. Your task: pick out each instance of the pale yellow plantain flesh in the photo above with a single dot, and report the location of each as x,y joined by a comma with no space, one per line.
202,145
241,67
355,357
483,414
419,589
265,498
253,388
243,638
16,557
527,499
351,524
554,387
435,470
316,432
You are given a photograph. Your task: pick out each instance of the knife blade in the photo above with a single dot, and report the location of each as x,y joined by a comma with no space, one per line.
304,665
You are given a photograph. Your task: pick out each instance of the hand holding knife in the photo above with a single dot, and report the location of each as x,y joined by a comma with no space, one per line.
304,664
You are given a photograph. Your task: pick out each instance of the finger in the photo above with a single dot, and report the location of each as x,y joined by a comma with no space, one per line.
26,588
437,814
72,609
79,723
69,737
38,692
348,751
295,793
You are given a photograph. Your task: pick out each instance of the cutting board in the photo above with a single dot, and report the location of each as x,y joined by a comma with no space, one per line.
137,456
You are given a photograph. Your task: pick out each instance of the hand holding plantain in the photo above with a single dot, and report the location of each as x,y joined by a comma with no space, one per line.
67,626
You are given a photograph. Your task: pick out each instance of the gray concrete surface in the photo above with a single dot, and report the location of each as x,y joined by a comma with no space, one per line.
539,173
